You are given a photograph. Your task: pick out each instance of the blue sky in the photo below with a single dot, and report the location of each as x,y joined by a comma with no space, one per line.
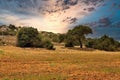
110,10
58,16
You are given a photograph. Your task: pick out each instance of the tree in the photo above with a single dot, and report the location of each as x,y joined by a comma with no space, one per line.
28,37
12,27
69,41
104,43
47,44
61,37
79,32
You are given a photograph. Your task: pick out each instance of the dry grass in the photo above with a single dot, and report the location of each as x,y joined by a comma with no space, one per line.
62,64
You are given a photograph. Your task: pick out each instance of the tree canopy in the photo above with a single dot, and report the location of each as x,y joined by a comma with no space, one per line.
27,37
78,33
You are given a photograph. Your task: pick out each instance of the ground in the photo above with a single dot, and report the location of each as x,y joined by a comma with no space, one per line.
62,64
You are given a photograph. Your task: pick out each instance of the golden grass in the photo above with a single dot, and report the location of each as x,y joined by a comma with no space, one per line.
62,64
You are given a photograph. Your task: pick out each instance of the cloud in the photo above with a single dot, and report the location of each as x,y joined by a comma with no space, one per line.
47,15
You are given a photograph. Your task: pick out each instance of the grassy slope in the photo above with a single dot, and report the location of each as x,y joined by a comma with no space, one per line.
62,64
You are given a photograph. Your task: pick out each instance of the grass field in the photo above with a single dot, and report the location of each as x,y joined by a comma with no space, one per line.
61,64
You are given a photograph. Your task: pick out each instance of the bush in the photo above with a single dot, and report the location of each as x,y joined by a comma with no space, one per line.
61,38
91,43
38,42
104,43
69,44
28,37
47,44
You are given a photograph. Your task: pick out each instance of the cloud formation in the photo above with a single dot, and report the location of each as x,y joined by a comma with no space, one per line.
48,15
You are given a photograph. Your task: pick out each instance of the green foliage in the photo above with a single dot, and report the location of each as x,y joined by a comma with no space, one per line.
52,36
38,41
69,44
77,34
104,43
12,27
91,43
48,45
69,41
30,37
61,38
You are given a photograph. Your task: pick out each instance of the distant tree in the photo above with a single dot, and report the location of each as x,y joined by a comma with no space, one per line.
104,43
12,27
8,30
61,37
52,36
28,37
78,33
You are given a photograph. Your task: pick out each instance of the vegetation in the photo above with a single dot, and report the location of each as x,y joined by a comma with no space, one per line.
69,44
8,30
30,37
51,36
78,33
61,38
47,44
104,43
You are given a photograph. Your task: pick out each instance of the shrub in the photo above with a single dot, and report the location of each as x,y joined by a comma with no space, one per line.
69,44
47,44
61,38
90,43
38,42
28,37
104,43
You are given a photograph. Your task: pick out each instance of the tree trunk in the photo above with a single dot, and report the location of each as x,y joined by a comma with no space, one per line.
80,43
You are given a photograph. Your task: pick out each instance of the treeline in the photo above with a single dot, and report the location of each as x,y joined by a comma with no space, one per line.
104,43
31,37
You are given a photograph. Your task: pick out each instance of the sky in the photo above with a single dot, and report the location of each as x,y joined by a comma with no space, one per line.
58,16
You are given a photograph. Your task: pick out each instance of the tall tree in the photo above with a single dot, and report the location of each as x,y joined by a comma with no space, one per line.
79,33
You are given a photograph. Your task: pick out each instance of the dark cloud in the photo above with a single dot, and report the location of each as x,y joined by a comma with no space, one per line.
70,20
70,2
91,9
92,2
65,11
44,5
105,21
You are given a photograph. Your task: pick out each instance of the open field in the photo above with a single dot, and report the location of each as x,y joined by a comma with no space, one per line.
61,64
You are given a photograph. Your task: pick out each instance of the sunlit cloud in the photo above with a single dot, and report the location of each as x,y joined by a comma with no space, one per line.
47,15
